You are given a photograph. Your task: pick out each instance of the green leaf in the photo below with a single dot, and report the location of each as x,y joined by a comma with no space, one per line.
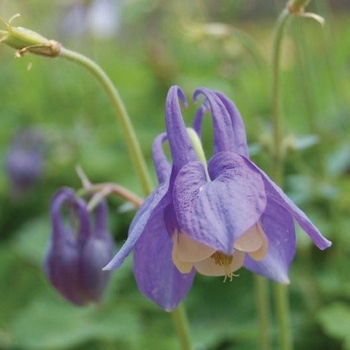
335,320
51,323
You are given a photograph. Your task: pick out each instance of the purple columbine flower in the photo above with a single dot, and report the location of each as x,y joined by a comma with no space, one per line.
211,218
77,252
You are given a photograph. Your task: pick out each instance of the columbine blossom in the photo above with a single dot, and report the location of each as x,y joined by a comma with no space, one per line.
77,253
211,218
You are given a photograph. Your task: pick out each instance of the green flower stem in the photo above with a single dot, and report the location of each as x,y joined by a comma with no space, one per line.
179,314
262,298
277,155
281,293
121,113
282,310
181,324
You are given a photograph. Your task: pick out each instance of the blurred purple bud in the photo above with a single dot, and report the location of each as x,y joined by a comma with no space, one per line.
78,250
24,160
103,18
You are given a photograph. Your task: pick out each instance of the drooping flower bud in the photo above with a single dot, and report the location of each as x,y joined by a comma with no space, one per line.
77,252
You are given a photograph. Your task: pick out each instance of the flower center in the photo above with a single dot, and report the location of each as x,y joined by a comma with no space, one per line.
188,253
224,261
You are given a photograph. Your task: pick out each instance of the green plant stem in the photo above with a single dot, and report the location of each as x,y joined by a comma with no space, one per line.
281,293
282,309
262,298
121,113
277,155
181,324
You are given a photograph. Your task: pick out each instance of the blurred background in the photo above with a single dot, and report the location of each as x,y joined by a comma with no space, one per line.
54,115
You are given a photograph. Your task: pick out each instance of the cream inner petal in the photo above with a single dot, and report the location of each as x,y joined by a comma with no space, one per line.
189,250
259,254
210,267
251,240
182,266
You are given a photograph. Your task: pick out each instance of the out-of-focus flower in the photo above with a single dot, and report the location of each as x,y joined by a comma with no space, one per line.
211,218
100,18
25,161
78,250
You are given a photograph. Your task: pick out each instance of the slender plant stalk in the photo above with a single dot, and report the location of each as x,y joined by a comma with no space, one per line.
121,113
281,293
181,324
263,304
178,315
277,166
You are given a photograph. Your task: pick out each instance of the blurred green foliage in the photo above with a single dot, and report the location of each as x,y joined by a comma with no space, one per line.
156,46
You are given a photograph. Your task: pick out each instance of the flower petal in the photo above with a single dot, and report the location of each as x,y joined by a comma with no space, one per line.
278,226
156,275
187,249
61,267
240,139
161,163
223,132
250,241
259,254
157,201
280,198
216,213
182,266
180,144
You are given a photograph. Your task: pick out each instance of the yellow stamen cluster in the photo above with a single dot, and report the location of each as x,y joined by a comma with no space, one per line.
225,261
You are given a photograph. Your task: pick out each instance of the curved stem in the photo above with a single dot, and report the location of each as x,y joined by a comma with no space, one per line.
181,324
120,111
281,293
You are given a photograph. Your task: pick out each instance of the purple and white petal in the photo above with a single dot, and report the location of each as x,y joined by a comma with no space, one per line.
278,225
156,275
216,213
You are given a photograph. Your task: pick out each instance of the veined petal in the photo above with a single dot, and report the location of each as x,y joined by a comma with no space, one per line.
156,275
223,132
280,198
152,206
180,144
278,226
240,139
217,213
208,267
